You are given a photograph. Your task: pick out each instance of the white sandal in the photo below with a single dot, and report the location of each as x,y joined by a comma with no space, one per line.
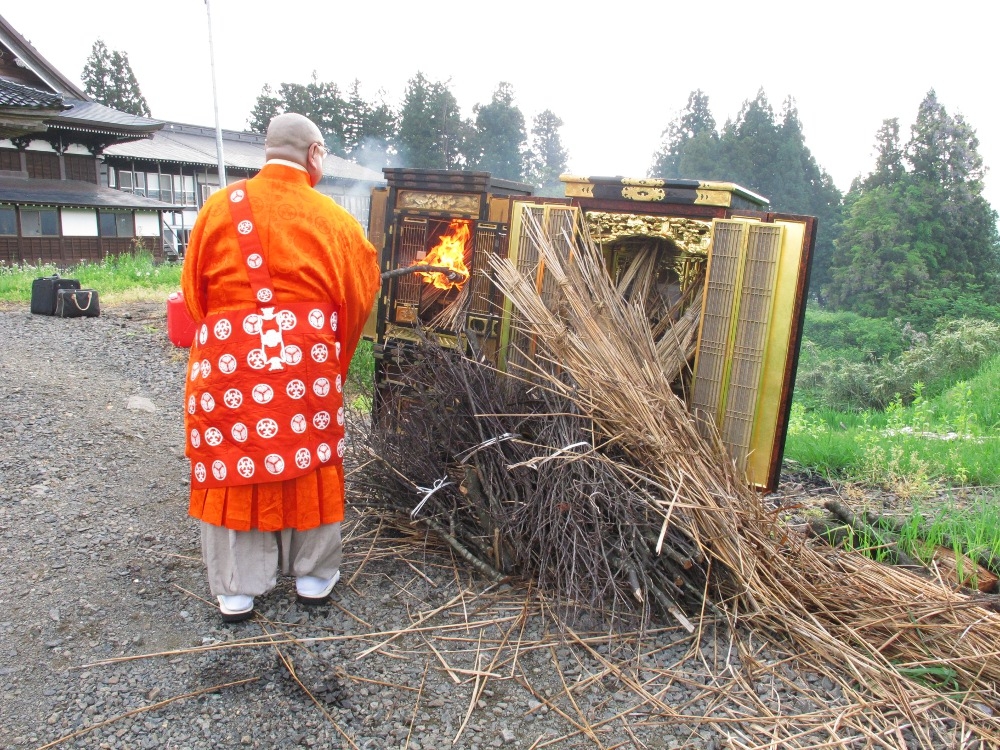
235,607
313,590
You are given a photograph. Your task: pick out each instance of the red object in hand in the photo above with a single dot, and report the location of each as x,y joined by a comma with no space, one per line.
180,325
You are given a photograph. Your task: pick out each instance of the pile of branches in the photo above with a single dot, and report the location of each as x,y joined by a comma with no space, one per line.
624,465
508,473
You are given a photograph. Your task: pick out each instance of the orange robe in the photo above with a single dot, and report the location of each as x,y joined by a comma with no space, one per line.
316,252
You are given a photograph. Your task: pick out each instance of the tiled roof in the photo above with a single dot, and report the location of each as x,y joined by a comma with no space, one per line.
192,144
18,95
72,193
94,117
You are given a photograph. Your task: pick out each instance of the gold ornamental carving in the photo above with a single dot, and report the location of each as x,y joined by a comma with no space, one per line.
579,190
450,202
644,181
713,198
637,193
690,236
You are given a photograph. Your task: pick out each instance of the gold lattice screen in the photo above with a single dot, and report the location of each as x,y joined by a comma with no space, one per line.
743,343
559,223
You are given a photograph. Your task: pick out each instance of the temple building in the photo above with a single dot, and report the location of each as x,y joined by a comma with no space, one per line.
80,181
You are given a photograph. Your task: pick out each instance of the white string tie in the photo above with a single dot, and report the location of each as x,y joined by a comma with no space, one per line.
467,454
428,491
537,461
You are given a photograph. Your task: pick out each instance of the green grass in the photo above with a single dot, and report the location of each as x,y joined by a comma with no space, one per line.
948,440
361,377
973,530
121,278
968,533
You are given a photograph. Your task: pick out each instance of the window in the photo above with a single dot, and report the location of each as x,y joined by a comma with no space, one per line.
132,182
207,190
8,220
39,222
116,224
189,190
164,180
184,189
158,186
111,178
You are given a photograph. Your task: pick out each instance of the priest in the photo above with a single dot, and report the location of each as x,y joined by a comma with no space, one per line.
279,280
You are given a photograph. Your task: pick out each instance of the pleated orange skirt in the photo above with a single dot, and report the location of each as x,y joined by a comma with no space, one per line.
301,503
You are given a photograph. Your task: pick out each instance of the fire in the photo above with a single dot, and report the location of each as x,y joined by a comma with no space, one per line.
449,253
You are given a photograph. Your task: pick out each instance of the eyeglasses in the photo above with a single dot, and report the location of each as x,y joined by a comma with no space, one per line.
323,150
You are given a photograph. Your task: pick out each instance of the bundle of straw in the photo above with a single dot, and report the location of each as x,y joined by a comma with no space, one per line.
508,475
918,652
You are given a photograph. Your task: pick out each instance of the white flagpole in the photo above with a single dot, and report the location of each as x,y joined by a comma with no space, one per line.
215,102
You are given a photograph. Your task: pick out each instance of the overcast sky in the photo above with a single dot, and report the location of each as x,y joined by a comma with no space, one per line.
616,73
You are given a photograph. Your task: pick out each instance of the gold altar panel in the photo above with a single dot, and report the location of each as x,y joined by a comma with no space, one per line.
722,283
739,369
419,200
559,223
749,340
376,235
779,345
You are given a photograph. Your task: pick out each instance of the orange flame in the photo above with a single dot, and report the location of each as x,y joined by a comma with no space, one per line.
449,253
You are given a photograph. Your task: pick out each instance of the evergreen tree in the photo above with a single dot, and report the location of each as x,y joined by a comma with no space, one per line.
889,167
925,244
416,141
108,79
382,121
318,100
695,122
500,137
376,148
928,147
803,187
878,266
547,157
432,133
356,115
454,133
750,150
327,111
268,106
369,128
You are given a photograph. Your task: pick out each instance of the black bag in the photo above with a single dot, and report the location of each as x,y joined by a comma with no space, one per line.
44,290
77,303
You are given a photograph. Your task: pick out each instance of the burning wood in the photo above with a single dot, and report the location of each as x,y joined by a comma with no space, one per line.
449,253
449,273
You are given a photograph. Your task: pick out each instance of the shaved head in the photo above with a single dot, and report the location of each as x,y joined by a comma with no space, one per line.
289,136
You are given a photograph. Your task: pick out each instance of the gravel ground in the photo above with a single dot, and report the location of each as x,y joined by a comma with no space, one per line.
107,637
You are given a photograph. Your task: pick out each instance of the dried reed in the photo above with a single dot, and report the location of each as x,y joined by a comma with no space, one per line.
878,626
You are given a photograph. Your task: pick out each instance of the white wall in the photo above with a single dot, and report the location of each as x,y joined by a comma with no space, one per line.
147,224
79,222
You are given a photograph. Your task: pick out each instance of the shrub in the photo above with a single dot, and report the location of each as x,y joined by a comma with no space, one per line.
954,351
871,338
951,353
